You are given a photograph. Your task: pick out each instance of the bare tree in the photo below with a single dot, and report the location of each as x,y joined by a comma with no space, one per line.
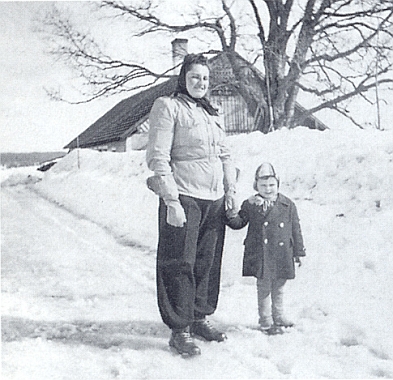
334,50
102,74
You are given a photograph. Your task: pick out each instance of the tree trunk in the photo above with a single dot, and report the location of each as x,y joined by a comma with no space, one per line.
275,75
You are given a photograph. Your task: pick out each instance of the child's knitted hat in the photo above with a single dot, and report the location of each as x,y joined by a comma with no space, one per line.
264,171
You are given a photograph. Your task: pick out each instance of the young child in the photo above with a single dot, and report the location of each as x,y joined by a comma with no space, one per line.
273,244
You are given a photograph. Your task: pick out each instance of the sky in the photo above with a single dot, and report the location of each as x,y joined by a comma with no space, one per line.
79,252
30,121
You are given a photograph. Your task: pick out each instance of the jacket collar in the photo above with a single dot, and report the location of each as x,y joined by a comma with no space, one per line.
282,199
189,102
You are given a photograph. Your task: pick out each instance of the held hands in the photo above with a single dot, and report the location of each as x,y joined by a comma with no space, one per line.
231,204
175,214
230,213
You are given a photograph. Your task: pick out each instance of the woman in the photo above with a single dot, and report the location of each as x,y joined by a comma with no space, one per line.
195,179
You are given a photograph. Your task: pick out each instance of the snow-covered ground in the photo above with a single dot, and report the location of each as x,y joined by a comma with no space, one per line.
78,267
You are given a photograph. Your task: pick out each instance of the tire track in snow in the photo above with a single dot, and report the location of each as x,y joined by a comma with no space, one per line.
67,265
120,239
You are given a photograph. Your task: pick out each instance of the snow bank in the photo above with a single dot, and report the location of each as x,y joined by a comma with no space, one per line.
335,167
349,171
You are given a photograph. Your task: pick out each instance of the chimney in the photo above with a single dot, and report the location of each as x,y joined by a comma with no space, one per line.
179,51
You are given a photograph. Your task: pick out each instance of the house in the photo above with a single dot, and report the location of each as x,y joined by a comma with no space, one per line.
125,126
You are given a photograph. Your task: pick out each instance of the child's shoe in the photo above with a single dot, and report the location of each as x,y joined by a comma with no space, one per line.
283,322
272,330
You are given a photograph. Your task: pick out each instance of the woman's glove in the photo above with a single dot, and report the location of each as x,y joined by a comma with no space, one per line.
298,261
164,186
175,215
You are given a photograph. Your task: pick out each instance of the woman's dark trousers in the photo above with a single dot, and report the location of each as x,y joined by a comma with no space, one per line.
189,262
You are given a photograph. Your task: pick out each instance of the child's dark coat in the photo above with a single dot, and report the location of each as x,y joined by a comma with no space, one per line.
273,240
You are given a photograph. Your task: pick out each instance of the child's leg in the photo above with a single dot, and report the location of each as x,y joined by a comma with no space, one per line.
264,288
278,297
278,303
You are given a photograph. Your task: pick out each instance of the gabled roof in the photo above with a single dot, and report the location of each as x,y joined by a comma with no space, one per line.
122,120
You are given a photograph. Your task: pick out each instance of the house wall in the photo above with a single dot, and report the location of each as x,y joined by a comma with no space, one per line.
115,146
138,141
237,117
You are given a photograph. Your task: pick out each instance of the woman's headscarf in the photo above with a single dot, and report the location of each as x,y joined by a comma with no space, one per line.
189,60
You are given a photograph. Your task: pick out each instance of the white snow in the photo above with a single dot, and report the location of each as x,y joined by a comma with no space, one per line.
78,267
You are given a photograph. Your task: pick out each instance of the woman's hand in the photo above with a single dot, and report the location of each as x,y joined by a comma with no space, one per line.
230,214
175,214
231,201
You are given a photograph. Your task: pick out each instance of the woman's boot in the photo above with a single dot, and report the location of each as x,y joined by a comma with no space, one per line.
204,329
182,342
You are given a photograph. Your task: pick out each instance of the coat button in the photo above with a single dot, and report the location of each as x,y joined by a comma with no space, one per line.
265,241
282,224
265,224
280,243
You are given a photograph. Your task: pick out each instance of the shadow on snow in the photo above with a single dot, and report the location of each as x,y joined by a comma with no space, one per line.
136,335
